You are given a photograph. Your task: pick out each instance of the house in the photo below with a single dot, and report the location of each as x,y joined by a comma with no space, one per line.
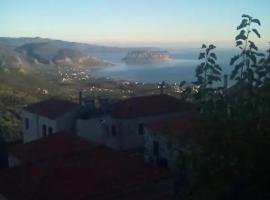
47,117
123,126
168,141
65,166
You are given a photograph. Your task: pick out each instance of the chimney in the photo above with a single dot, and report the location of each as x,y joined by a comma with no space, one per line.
225,81
161,87
80,98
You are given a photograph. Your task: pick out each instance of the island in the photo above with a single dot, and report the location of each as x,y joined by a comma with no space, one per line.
147,57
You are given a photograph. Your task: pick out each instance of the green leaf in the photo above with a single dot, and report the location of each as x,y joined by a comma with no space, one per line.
241,36
236,69
201,56
246,16
203,46
211,46
218,67
256,21
213,55
233,59
256,32
252,45
259,54
211,61
243,24
239,43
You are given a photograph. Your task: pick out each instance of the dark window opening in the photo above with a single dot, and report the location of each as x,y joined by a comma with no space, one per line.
141,129
26,123
156,148
162,162
44,130
50,131
113,130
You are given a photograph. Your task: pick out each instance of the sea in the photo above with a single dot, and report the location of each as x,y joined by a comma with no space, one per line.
180,68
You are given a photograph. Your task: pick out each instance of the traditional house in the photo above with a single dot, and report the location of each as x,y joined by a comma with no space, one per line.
123,126
47,117
65,166
168,141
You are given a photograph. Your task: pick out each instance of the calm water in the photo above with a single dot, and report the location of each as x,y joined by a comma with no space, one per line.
181,68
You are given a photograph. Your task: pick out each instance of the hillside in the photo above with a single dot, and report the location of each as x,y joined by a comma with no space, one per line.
83,47
49,54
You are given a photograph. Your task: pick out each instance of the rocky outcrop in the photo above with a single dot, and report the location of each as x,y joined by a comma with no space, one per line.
147,57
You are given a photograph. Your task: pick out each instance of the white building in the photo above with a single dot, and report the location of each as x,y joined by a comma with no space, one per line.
47,117
124,126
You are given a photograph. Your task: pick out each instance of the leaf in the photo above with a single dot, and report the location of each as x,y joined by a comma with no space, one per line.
239,43
259,54
252,58
233,59
236,69
201,56
252,45
211,61
211,46
216,72
256,21
256,32
213,55
241,36
203,46
218,67
243,24
246,16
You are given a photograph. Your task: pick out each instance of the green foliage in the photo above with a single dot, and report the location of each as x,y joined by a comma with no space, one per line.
245,64
208,71
233,142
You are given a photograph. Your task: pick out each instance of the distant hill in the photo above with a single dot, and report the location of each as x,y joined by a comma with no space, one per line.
83,47
10,58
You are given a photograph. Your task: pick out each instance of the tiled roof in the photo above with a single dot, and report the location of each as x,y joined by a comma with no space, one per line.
58,144
51,108
149,105
93,173
183,125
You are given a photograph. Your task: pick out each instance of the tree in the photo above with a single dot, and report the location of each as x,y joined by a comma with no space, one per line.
208,71
245,63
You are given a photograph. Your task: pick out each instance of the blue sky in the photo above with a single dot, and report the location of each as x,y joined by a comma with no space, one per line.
133,22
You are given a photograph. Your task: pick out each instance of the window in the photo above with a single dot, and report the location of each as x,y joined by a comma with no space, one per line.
26,123
141,129
50,131
44,130
113,130
156,148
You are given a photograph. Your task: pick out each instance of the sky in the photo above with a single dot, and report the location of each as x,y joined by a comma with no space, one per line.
166,23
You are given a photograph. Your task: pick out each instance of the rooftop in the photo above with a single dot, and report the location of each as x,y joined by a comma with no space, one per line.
51,108
180,126
80,173
149,105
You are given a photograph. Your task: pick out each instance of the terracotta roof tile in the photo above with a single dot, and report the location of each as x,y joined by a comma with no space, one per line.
93,173
149,105
51,108
183,125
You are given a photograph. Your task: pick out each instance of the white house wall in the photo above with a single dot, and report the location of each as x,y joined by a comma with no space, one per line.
67,122
127,136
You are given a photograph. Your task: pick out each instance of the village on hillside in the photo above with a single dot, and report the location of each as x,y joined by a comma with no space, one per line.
100,148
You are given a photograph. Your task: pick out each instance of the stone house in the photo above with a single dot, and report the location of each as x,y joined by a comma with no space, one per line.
123,127
168,141
47,117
